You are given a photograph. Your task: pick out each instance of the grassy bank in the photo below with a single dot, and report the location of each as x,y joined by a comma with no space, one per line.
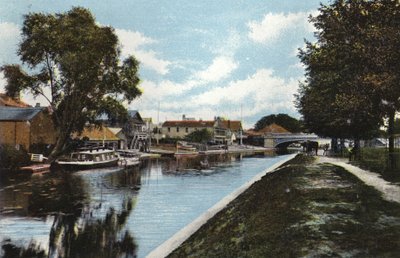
304,209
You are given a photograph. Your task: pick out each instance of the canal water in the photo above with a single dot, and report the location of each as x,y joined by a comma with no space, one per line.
115,212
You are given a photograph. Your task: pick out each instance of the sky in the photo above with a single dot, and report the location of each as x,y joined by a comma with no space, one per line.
233,59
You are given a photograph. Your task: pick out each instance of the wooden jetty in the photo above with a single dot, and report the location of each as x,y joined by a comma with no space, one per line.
36,169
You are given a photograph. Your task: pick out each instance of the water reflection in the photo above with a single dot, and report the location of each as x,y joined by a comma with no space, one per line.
41,195
85,219
87,237
181,164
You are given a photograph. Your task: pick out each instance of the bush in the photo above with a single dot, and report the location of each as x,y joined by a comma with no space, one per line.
202,136
377,159
41,148
11,158
170,140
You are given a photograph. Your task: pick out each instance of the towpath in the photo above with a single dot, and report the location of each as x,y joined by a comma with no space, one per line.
390,191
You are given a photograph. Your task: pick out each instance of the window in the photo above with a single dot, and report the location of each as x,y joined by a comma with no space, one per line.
187,129
177,129
169,129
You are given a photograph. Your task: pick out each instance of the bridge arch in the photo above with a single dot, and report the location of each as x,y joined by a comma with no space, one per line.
285,144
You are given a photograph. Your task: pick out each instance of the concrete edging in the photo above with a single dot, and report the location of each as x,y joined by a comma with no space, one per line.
182,235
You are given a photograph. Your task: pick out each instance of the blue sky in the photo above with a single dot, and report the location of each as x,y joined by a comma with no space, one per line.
235,59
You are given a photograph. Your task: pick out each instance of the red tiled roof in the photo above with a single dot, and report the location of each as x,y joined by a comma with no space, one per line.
233,125
98,134
252,132
188,123
11,102
273,128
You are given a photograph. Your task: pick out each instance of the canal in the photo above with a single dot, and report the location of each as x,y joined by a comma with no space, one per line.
113,212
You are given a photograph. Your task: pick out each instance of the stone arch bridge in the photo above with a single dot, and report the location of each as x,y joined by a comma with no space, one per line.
283,140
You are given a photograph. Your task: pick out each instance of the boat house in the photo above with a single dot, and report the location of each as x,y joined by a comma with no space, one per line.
26,126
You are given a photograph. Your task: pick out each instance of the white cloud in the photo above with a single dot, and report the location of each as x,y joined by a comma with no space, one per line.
158,91
298,66
150,60
259,94
274,25
134,38
221,67
132,41
262,89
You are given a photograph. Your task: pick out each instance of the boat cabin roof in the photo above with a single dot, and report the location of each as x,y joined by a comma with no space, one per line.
94,151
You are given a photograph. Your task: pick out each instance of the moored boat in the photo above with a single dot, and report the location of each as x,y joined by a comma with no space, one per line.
89,159
128,158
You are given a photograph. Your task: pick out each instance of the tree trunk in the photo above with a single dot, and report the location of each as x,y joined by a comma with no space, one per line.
59,147
392,161
334,145
342,146
356,149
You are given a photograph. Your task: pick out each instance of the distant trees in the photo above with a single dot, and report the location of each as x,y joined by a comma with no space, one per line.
352,71
291,124
75,64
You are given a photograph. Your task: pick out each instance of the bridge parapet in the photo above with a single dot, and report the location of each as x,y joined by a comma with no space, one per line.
272,140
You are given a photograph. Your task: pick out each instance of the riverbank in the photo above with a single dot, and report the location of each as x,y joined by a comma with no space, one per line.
305,208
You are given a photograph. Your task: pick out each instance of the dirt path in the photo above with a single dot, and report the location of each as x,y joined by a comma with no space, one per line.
305,209
390,191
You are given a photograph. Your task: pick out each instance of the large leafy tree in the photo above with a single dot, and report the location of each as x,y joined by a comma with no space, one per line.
382,45
284,120
75,64
201,136
351,73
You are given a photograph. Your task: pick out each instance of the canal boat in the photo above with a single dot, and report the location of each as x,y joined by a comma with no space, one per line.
185,147
89,159
128,158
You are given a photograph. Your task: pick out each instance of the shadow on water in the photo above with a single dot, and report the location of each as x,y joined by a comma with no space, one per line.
81,227
73,236
42,195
